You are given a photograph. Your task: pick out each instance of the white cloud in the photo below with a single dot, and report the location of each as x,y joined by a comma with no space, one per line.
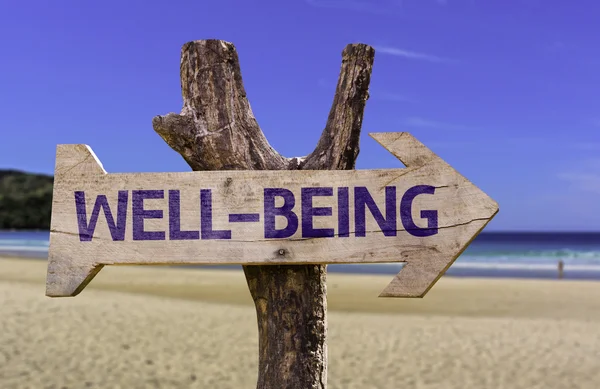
586,177
551,143
556,46
325,83
378,95
452,144
397,52
588,146
352,5
372,6
588,182
593,164
391,97
427,123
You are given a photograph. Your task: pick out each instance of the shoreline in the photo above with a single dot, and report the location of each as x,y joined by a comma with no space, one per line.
458,269
358,293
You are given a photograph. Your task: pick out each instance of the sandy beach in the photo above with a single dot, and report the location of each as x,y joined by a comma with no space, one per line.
155,327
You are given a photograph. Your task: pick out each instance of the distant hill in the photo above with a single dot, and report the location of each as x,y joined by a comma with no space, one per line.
25,200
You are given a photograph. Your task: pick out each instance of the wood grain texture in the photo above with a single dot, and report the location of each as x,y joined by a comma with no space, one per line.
225,135
462,209
216,130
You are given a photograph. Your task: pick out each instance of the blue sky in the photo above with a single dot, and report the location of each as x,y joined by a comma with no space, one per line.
504,91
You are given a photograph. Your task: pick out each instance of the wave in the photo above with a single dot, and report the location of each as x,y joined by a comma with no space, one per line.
496,266
474,256
24,243
568,256
523,266
567,253
6,248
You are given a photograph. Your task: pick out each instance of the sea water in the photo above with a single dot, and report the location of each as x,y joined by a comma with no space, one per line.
25,243
512,254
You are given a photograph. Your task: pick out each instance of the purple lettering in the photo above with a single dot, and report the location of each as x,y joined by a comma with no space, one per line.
206,218
343,213
285,210
175,232
406,212
308,211
244,217
363,199
86,231
139,214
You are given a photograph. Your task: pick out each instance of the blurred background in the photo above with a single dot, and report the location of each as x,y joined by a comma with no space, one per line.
504,91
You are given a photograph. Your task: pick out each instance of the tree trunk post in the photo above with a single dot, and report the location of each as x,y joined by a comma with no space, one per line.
216,130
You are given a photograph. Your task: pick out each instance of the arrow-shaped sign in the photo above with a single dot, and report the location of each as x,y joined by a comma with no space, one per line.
424,215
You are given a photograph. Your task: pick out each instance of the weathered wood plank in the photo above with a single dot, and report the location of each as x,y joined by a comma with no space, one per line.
424,215
216,130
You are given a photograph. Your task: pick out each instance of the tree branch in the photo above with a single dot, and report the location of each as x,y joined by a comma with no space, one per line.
216,130
338,146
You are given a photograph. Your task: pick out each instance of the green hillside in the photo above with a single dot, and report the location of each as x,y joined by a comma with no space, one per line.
25,200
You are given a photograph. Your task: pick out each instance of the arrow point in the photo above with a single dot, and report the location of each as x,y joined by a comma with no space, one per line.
415,280
77,158
66,280
386,293
406,148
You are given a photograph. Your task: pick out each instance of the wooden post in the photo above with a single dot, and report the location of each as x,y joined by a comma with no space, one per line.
216,130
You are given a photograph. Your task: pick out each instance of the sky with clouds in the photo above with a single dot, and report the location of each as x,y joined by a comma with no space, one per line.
505,91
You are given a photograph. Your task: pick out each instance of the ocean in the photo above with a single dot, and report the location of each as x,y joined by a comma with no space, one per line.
491,254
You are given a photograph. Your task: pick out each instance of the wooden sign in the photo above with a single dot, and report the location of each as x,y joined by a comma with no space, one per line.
424,215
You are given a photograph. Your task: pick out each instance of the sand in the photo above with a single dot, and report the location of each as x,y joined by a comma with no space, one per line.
153,327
